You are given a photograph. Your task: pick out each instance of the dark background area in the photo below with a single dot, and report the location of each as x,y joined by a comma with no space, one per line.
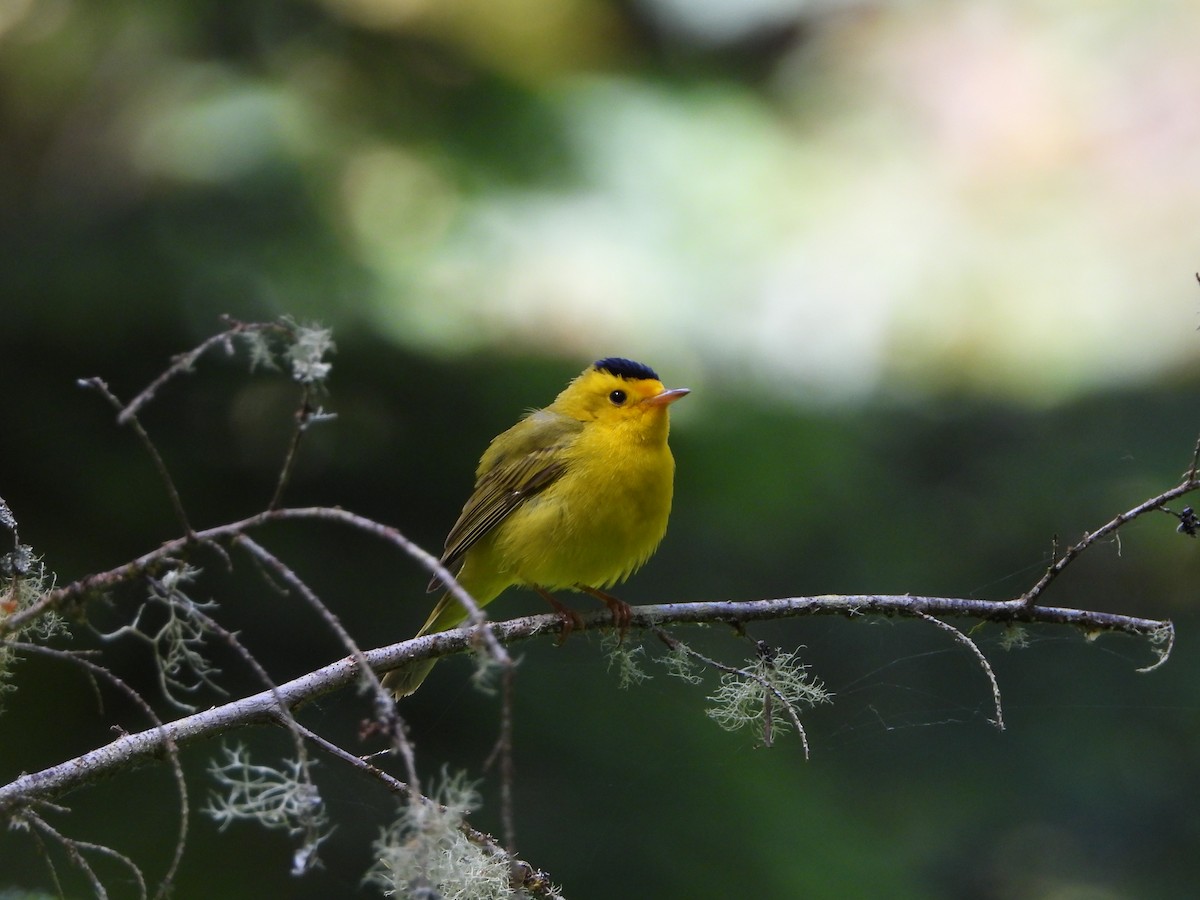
114,261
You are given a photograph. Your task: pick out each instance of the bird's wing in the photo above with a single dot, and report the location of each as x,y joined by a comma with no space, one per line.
518,464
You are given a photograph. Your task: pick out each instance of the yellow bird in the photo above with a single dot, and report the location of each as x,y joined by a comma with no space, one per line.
574,496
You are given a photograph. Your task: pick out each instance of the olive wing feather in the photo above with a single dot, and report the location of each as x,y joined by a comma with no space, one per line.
518,464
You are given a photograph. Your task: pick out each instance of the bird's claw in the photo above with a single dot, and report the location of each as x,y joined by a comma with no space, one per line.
570,618
622,612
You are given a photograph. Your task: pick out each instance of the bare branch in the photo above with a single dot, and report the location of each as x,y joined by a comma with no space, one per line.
265,706
304,415
1186,487
80,591
184,363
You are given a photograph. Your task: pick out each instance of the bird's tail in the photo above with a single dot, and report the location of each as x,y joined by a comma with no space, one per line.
407,678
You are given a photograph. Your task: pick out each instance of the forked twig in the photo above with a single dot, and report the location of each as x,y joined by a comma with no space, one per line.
73,849
1189,484
168,745
184,362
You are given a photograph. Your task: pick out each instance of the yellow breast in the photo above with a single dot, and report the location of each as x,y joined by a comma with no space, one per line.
599,522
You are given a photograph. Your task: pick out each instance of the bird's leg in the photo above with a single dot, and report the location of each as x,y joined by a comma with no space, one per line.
570,618
621,611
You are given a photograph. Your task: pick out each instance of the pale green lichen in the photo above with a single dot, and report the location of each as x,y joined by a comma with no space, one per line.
307,351
758,697
625,659
177,638
424,853
283,799
1014,637
24,581
680,664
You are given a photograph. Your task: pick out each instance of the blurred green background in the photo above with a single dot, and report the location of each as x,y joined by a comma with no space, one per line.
927,267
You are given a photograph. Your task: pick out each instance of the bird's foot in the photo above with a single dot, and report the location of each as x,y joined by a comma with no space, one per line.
569,617
621,611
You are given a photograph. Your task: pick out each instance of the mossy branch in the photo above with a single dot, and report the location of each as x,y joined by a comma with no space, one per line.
264,707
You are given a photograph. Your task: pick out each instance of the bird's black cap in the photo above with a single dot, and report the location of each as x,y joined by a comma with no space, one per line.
625,368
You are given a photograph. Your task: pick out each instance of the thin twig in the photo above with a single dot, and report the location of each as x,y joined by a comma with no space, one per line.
983,663
303,415
1018,610
44,853
391,782
98,384
1186,487
172,751
1191,472
72,847
385,708
282,711
507,766
502,750
97,583
184,362
1007,611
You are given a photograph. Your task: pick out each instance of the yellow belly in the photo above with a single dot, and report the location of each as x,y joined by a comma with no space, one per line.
594,526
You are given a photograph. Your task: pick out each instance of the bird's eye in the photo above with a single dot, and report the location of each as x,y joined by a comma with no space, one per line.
617,397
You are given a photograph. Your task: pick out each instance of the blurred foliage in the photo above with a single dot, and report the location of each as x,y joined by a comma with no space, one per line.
937,211
839,196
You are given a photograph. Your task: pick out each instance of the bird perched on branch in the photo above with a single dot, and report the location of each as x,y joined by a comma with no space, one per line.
574,496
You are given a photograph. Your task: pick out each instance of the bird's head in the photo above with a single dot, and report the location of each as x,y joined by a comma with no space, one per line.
619,392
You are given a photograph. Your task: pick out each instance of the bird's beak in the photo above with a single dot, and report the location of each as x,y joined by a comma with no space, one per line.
668,397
